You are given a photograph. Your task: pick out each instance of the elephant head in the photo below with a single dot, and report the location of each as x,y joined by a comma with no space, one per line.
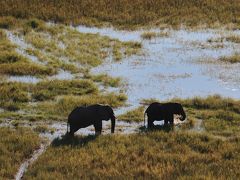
106,113
181,112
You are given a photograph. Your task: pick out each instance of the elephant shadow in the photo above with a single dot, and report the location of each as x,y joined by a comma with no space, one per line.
165,128
73,140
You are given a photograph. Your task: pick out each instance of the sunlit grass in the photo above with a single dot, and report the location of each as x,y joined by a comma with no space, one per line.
16,145
25,68
126,13
150,155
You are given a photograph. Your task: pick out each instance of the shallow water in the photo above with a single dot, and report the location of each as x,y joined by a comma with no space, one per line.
24,79
170,66
62,75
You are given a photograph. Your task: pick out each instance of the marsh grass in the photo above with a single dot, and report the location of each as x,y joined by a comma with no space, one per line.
66,104
26,68
15,146
220,116
106,80
135,115
128,14
149,155
57,47
10,57
233,38
152,35
13,92
85,49
43,129
46,90
8,22
235,58
12,63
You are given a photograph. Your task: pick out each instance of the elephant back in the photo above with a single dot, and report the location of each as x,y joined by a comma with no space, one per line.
153,107
74,115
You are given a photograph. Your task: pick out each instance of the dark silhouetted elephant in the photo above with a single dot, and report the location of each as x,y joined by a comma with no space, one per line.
163,111
84,116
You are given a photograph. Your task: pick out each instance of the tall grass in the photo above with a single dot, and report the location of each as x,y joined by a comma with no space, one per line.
49,89
15,146
154,155
126,12
65,104
26,68
134,115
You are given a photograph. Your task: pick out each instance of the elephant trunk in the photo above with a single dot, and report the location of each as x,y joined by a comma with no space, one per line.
183,116
113,119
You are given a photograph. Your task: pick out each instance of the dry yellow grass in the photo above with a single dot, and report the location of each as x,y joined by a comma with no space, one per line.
125,13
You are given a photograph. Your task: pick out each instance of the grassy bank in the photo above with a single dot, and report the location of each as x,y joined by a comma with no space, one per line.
220,116
16,145
126,13
153,155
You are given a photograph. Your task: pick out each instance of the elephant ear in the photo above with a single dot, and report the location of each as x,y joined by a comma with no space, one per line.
104,112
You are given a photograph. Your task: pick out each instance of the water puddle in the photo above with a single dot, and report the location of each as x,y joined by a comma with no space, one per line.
198,125
170,65
62,75
24,79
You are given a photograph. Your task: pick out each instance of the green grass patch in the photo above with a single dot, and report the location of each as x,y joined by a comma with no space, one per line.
145,156
15,146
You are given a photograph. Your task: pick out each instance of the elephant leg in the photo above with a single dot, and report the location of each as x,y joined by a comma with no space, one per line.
73,129
98,127
150,122
171,120
165,122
